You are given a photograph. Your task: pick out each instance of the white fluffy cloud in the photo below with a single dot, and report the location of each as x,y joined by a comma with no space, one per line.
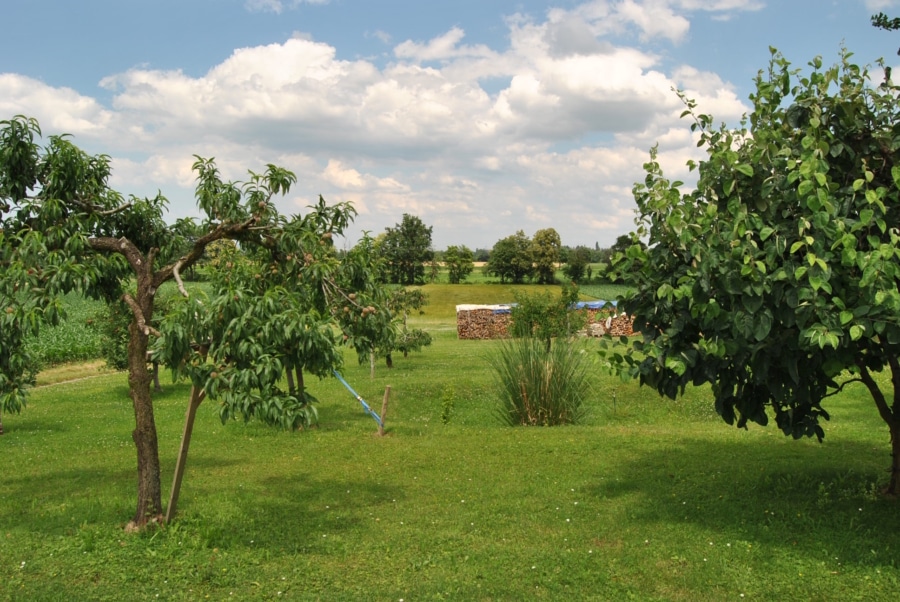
558,142
277,6
878,5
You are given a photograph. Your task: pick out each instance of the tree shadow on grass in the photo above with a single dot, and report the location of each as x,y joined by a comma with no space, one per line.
48,502
294,513
823,501
33,425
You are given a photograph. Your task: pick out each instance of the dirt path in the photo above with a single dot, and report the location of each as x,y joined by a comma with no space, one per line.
68,373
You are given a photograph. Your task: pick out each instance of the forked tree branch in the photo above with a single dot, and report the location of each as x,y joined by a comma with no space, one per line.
139,316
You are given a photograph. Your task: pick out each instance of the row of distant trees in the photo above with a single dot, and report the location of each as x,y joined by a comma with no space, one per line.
408,258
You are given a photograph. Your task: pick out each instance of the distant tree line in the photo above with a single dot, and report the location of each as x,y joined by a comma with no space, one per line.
407,258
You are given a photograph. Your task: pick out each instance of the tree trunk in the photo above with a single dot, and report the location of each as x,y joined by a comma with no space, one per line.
894,484
301,386
149,503
290,381
156,385
891,416
372,364
1,424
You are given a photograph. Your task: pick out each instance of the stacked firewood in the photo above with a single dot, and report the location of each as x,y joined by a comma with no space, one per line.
482,321
604,321
492,322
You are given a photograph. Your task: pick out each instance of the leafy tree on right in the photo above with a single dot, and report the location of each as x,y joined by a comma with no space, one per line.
777,279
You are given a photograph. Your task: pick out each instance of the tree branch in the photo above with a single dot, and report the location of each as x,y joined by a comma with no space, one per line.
218,233
139,316
877,395
123,246
894,363
91,208
176,273
841,388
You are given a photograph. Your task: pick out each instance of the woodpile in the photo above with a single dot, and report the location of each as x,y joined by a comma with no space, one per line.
605,321
492,322
482,321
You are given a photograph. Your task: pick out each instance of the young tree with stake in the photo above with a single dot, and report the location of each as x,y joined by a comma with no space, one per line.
65,230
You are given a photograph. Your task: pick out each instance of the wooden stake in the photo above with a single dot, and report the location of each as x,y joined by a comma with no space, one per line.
384,404
197,396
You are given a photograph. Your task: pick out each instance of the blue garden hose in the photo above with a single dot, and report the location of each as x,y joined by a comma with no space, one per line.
360,399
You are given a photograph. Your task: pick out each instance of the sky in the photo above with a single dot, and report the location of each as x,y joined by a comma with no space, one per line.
481,117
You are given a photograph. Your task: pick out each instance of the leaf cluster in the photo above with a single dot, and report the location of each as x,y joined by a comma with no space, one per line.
544,316
780,270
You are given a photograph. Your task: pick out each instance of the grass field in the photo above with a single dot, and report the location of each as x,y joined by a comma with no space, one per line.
647,500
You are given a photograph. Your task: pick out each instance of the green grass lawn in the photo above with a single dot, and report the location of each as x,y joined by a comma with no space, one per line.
647,500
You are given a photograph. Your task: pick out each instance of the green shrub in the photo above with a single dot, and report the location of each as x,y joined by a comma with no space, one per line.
544,316
540,386
448,404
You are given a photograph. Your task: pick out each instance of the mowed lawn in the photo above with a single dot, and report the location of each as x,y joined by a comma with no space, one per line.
648,500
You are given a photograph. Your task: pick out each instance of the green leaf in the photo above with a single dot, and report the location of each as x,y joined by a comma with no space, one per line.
816,281
676,365
856,332
765,233
763,326
846,317
865,216
745,169
729,187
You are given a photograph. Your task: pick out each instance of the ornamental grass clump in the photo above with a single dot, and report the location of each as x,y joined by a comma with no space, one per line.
540,386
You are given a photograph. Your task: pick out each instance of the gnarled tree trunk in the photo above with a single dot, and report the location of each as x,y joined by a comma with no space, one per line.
149,503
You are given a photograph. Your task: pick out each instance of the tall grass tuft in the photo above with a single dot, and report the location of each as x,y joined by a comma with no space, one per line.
540,386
